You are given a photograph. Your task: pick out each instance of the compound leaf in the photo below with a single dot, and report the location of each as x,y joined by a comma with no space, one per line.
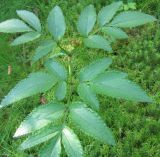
87,95
107,13
43,49
71,143
14,26
98,42
119,87
38,82
26,38
40,137
86,20
40,117
94,69
30,18
115,32
56,69
56,23
52,149
61,90
131,19
90,123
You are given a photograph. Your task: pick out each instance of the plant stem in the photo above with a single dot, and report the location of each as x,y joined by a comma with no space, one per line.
69,72
69,83
70,91
69,79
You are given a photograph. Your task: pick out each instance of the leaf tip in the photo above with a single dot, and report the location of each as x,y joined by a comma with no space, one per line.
154,18
149,100
91,5
12,44
57,6
146,99
113,143
111,140
109,49
20,148
16,135
20,132
4,103
18,11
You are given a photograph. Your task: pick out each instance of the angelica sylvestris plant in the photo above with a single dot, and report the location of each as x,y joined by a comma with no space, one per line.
54,122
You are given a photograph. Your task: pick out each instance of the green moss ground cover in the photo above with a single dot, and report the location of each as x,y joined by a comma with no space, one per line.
135,125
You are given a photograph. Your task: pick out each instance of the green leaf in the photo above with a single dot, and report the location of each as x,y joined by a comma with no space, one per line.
115,32
87,94
38,82
107,13
98,42
131,19
52,149
61,90
43,49
40,137
30,18
56,69
25,38
94,69
40,117
109,75
90,123
117,86
86,20
71,143
14,26
56,23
